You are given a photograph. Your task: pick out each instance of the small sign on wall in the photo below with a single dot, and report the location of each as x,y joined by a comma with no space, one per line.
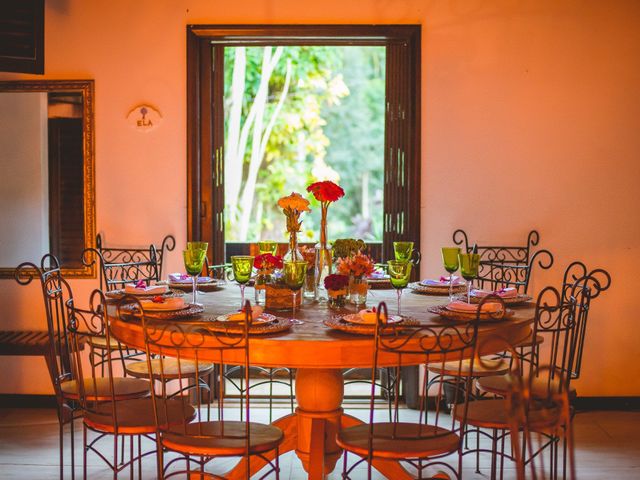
144,118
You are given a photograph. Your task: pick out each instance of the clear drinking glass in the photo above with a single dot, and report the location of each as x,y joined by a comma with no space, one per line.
451,265
399,273
242,266
194,257
403,251
469,263
295,273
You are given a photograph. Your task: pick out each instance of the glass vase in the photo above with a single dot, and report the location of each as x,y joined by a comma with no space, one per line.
337,298
260,287
358,289
293,253
324,258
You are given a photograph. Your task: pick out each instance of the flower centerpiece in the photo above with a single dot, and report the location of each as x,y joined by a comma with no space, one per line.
336,286
326,193
357,267
266,264
293,206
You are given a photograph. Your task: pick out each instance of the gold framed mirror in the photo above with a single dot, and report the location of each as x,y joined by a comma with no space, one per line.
47,173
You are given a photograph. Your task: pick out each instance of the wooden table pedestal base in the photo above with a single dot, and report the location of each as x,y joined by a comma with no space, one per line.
311,431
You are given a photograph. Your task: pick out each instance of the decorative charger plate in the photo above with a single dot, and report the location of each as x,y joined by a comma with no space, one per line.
118,294
190,310
379,283
418,287
339,323
211,286
518,300
263,318
279,324
357,319
444,312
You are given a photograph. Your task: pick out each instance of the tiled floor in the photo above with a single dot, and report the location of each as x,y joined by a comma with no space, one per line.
607,446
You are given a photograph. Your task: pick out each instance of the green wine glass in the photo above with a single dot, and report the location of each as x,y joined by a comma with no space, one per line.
194,257
403,251
469,264
295,274
451,265
399,273
267,246
242,266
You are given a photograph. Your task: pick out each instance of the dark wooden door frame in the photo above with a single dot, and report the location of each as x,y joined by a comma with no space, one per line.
205,134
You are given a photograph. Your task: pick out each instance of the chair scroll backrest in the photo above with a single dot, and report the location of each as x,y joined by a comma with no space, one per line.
55,292
398,345
195,343
507,266
119,266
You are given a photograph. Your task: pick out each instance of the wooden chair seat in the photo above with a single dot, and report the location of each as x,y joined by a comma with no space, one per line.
411,440
489,367
124,388
169,369
135,416
495,414
207,439
101,343
501,384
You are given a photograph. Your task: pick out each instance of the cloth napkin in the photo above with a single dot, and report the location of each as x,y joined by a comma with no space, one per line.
370,316
166,303
183,278
442,281
465,307
239,316
508,292
141,287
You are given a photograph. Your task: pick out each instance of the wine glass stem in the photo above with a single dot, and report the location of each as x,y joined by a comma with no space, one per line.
469,291
450,287
194,282
294,305
399,293
241,295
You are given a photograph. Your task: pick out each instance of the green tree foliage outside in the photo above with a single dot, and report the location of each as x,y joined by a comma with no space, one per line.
294,115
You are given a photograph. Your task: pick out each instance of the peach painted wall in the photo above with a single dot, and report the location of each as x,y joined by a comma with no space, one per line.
530,120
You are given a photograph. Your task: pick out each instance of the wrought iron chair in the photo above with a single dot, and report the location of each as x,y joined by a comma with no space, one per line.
111,406
507,266
424,444
198,441
561,320
55,293
119,266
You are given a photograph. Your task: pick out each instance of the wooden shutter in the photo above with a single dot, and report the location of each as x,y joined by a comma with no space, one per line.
66,190
402,147
22,36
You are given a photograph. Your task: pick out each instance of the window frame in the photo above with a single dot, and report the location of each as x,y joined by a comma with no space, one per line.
205,120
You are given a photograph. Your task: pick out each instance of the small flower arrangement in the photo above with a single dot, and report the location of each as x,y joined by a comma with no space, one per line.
267,263
293,206
358,265
336,282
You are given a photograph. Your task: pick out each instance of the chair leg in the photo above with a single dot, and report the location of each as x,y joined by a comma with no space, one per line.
270,395
61,445
131,463
277,463
494,453
291,388
115,457
84,451
139,457
73,451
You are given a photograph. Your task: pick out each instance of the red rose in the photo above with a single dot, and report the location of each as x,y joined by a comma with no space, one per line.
336,282
326,191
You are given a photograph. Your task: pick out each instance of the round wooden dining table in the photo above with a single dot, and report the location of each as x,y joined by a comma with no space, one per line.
320,354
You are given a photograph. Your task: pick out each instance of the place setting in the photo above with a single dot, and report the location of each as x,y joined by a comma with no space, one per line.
262,323
457,308
143,289
445,285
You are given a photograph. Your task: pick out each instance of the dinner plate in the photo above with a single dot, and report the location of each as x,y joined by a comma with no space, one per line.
517,300
358,320
121,293
418,287
468,316
156,307
263,318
